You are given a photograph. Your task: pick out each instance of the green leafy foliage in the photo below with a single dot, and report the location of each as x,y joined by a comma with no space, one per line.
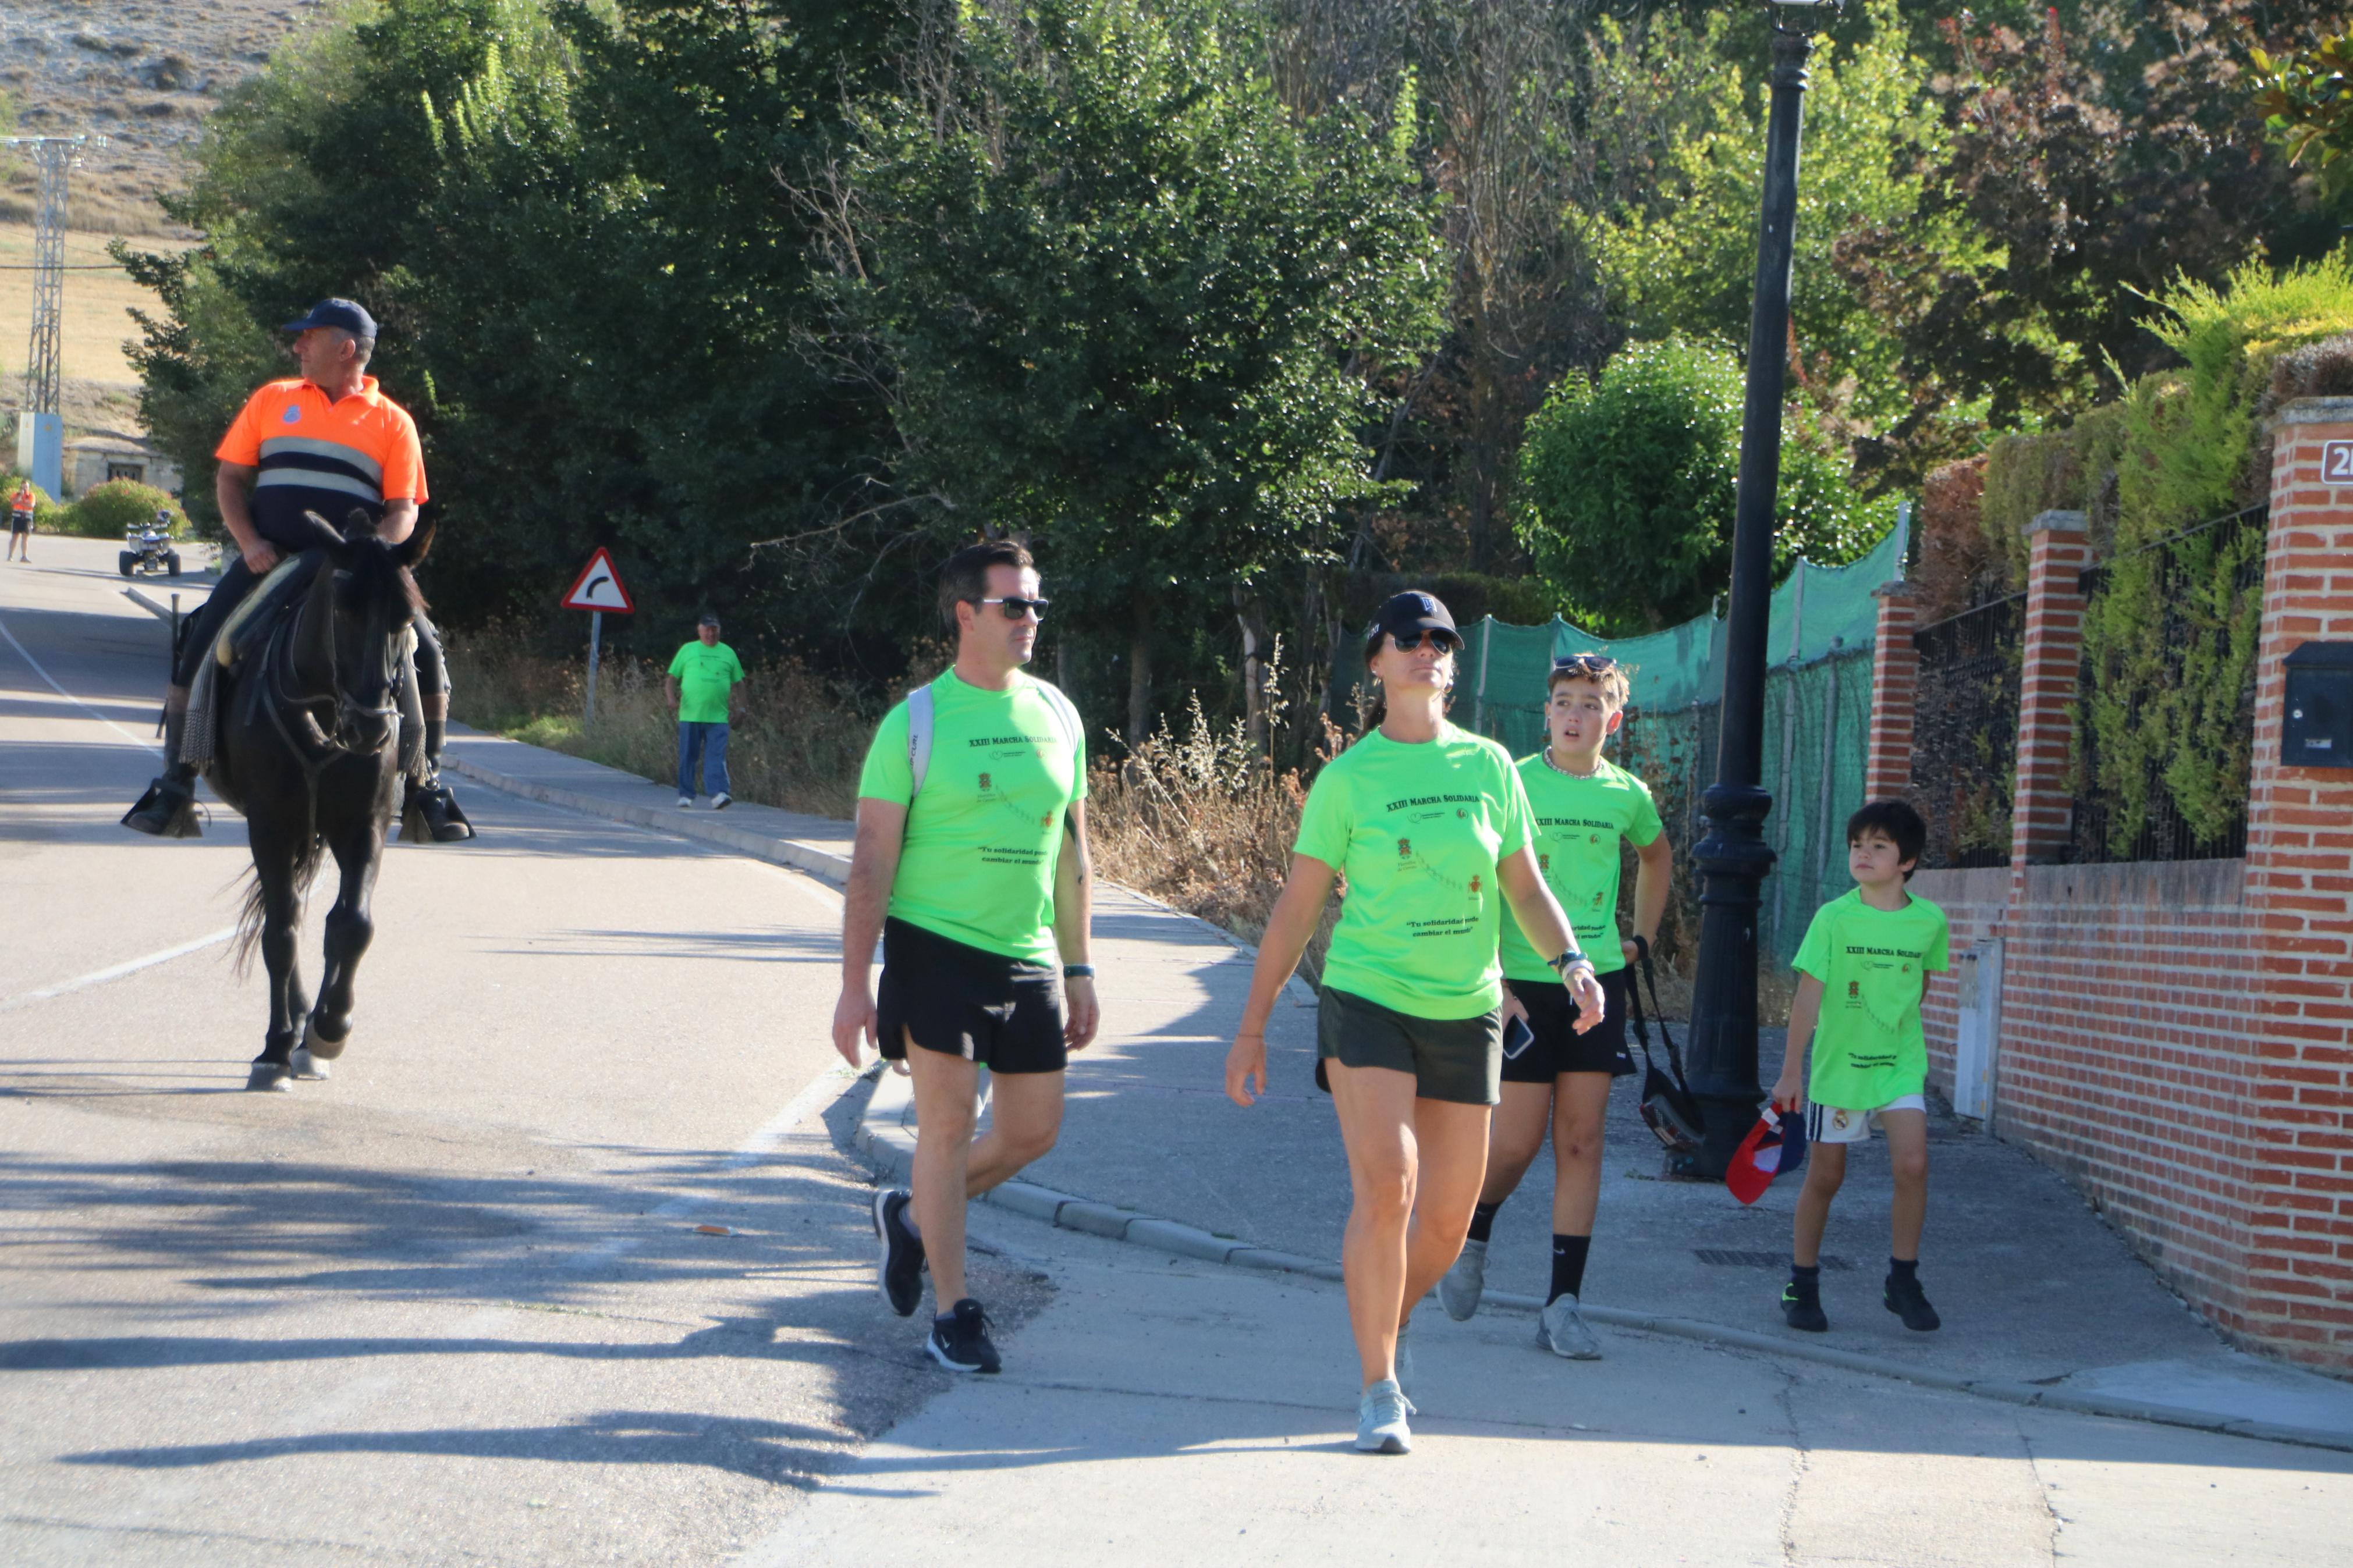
2307,98
1627,488
105,512
1124,299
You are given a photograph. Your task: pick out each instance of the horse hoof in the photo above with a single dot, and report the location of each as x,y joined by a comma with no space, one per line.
319,1045
306,1065
269,1075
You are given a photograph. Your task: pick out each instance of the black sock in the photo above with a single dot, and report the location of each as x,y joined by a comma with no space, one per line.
1483,1219
1567,1265
1805,1277
1898,1268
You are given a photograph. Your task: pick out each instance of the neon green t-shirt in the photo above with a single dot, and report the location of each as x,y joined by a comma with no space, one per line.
1577,824
704,673
986,833
1868,1048
1417,829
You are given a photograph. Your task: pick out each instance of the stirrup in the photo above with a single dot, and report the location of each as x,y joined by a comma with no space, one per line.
168,810
431,814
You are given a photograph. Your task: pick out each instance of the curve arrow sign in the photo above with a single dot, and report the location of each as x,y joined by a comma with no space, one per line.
598,588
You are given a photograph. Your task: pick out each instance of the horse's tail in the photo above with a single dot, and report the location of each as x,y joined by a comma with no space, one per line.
251,912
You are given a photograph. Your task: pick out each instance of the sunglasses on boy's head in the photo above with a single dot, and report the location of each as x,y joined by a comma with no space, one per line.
1014,607
1406,642
1584,664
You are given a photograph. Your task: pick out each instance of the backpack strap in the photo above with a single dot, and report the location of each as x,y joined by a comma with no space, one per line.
919,739
1634,1015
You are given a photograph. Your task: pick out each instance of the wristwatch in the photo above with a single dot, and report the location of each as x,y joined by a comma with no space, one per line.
1570,960
1078,971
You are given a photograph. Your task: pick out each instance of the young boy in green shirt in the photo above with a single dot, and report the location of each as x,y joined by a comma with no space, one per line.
1552,1075
1862,972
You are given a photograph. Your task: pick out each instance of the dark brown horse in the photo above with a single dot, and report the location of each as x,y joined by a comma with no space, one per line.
308,747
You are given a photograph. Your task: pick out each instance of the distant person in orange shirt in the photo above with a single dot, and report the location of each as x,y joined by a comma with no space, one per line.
20,524
325,442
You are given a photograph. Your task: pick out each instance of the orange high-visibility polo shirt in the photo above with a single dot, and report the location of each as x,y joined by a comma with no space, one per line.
324,456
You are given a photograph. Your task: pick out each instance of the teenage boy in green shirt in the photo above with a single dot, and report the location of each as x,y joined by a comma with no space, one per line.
1583,805
1862,972
970,865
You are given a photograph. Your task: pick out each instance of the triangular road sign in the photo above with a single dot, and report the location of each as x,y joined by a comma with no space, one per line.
599,588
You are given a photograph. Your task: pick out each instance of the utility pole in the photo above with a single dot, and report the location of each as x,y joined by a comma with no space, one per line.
1734,857
41,420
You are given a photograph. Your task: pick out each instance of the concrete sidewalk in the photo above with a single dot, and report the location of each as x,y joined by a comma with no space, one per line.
2040,1299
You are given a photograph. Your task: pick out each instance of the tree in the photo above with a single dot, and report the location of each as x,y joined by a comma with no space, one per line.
1677,250
1124,301
1627,486
2308,99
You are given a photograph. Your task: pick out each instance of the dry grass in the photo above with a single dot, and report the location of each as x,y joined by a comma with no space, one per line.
799,746
98,306
1198,822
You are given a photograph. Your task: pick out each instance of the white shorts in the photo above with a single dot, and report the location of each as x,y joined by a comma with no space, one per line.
1830,1124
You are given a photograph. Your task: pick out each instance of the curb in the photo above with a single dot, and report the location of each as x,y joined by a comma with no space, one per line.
791,852
885,1137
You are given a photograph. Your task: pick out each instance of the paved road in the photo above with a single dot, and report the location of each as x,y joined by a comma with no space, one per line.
450,1306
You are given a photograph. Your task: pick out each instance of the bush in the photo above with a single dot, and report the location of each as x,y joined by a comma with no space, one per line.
105,512
1627,488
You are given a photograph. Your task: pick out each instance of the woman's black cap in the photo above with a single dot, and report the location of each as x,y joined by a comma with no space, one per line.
1415,610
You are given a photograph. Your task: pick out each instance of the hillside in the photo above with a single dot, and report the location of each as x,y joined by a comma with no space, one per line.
143,74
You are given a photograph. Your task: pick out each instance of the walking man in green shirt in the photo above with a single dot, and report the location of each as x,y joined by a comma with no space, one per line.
706,681
970,865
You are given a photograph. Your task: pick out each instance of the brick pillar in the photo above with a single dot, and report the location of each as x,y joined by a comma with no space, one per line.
2299,877
1894,678
2051,659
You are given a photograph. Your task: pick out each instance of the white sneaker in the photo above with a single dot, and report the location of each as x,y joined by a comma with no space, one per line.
1459,1292
1381,1420
686,803
1561,1330
721,801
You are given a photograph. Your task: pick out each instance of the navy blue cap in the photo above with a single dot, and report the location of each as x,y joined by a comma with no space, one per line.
1414,611
344,314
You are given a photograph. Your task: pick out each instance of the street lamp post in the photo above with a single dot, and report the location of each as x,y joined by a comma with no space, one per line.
1734,857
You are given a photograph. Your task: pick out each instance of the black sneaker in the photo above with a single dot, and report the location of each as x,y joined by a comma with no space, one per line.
899,1271
1801,1308
959,1340
1908,1301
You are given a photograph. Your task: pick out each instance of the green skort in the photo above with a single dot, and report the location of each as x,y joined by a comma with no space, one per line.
1457,1060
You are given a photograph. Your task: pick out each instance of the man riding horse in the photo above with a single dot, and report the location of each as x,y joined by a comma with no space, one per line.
325,442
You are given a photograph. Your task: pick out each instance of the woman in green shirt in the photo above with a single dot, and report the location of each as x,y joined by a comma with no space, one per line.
1432,827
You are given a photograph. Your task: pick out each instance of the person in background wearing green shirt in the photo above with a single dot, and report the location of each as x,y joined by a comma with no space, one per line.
970,865
1554,1076
1430,826
706,681
1863,970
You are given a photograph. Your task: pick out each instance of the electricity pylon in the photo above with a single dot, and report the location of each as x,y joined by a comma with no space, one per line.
40,422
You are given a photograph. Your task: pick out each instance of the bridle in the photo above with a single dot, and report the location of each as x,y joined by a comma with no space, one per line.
296,714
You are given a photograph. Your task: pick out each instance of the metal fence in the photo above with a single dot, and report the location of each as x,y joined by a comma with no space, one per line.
1965,732
2192,603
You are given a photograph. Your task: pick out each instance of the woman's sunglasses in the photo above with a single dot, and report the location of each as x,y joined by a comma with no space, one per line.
1446,641
1016,606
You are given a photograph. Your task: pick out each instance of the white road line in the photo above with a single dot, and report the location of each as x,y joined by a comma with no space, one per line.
45,675
828,1086
118,972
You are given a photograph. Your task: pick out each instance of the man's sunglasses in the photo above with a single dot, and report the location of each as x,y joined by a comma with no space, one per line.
1404,642
1016,607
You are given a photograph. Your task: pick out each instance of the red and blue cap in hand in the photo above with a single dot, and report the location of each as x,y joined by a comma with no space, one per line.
1774,1147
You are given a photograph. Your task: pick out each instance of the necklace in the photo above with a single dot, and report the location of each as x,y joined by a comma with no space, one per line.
1569,772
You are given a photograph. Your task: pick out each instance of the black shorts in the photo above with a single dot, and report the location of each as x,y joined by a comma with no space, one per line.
1004,1012
1558,1046
1450,1059
20,522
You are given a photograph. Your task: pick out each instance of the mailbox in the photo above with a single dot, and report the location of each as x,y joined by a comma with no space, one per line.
2318,728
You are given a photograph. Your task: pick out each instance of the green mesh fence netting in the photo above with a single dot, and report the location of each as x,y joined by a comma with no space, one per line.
1817,719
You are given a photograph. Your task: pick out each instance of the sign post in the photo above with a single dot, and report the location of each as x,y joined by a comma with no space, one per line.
596,590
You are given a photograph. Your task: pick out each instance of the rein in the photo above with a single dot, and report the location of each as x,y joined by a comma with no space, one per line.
314,747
